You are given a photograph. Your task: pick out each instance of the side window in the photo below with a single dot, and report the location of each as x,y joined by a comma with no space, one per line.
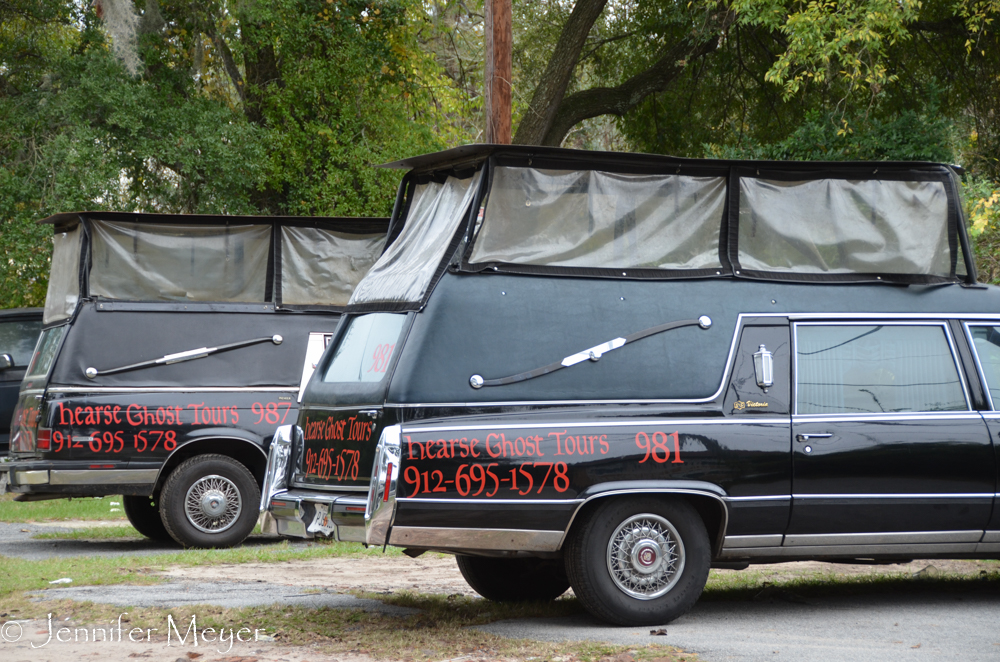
986,340
874,369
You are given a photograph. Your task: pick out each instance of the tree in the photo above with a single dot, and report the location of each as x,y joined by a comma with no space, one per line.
761,56
175,106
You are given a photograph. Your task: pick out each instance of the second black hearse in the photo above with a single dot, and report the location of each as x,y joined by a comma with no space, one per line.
172,348
614,371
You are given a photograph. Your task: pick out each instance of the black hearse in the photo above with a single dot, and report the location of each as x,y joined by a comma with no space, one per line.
19,328
613,371
173,347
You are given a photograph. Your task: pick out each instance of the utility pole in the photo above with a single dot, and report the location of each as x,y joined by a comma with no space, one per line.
499,36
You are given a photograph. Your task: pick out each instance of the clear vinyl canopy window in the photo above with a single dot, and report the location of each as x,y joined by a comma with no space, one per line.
64,276
405,271
226,263
594,219
151,262
322,267
840,226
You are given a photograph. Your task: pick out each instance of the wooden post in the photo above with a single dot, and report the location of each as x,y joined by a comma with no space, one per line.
499,36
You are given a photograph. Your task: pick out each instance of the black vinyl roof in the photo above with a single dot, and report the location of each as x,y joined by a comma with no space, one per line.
346,223
472,155
21,312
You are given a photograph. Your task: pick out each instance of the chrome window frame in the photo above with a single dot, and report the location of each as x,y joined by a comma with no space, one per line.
967,325
856,320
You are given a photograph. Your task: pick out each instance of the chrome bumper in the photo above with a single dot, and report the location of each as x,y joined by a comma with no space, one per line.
305,513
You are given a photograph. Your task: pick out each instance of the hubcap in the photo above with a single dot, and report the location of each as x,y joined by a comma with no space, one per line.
645,556
213,504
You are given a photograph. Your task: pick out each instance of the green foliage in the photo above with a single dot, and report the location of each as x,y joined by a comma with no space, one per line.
93,137
317,94
910,136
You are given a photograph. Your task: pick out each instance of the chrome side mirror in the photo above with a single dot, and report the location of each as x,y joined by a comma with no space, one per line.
763,367
6,361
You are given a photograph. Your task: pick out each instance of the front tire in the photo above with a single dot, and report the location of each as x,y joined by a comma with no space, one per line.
514,580
639,561
144,516
210,501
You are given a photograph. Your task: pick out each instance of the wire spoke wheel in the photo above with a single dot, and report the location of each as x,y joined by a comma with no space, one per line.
645,556
213,504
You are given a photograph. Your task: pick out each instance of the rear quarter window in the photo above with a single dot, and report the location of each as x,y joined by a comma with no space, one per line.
366,349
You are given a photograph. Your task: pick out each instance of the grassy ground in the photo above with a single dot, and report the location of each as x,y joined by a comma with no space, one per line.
441,629
86,508
24,575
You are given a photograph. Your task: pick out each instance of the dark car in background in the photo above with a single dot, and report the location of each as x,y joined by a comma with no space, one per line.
19,328
172,347
614,371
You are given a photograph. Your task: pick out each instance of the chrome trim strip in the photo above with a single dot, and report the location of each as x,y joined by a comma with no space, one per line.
769,497
489,539
718,393
975,356
890,538
916,416
842,551
991,537
970,495
752,541
929,321
603,424
795,317
103,476
527,502
172,389
988,548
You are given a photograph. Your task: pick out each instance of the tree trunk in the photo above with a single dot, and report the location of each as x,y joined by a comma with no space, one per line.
619,100
537,120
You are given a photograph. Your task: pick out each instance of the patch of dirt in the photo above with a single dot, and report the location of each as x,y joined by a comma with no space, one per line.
799,569
434,574
425,574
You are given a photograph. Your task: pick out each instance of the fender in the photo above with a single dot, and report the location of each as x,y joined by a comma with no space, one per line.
698,488
208,436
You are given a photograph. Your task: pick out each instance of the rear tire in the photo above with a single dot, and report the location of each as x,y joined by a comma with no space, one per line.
144,515
210,501
639,561
514,580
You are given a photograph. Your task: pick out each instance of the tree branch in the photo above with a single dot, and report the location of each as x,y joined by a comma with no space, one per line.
619,100
230,65
548,95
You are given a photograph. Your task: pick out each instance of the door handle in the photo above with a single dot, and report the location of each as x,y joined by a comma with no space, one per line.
807,437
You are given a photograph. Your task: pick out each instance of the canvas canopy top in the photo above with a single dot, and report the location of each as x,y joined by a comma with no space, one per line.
552,211
259,262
